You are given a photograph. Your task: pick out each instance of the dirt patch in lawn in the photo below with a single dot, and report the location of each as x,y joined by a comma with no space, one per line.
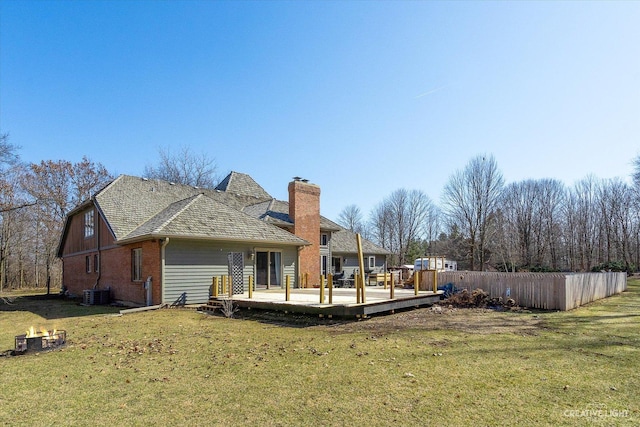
468,320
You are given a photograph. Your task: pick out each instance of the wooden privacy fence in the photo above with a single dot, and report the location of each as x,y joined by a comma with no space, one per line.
551,291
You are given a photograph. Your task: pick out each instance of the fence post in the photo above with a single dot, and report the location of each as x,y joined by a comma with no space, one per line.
321,289
416,281
250,287
230,288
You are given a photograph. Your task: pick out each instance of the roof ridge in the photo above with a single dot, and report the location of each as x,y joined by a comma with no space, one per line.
179,211
112,183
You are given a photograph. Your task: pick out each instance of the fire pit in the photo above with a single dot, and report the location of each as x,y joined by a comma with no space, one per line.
40,341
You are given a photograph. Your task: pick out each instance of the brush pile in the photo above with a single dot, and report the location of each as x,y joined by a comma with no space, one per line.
477,298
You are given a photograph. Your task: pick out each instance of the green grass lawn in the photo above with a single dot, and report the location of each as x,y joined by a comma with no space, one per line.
462,367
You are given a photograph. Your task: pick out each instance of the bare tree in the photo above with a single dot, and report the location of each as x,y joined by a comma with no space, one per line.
470,200
581,228
529,226
616,201
351,218
551,197
380,221
401,220
87,177
8,152
10,200
184,167
636,172
519,200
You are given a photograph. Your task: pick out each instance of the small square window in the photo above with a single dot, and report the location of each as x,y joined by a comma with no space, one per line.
87,264
96,265
372,262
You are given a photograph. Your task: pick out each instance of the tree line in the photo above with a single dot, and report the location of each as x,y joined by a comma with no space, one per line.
483,223
531,225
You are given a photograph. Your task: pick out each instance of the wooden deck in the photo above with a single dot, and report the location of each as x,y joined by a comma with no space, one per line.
343,304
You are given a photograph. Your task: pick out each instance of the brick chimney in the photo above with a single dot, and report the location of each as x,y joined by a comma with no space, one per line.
304,211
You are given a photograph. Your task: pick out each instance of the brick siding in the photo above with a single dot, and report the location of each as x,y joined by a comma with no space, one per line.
304,210
116,272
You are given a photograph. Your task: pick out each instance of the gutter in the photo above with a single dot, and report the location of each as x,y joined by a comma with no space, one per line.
163,245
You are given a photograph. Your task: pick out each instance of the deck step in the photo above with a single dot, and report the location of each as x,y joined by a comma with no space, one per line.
212,305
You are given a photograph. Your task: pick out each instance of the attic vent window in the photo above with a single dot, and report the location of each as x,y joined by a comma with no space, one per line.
89,225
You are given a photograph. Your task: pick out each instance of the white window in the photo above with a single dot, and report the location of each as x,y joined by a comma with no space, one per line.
324,239
136,264
87,264
323,265
88,224
372,262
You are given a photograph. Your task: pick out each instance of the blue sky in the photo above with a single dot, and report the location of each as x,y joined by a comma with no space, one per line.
361,98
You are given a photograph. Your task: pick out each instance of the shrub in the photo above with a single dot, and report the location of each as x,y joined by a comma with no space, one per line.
611,266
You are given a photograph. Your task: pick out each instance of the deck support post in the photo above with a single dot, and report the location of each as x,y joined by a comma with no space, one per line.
215,286
361,263
435,279
392,287
287,288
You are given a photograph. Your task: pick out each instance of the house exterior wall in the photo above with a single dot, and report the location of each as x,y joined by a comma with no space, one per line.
304,210
117,272
190,266
115,264
350,263
74,240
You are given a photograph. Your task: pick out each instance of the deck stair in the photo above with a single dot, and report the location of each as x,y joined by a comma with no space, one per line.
212,305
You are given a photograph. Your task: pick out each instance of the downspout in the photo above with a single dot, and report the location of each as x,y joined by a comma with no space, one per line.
298,278
164,244
97,225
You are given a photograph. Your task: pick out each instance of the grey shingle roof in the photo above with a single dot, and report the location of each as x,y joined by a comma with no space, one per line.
272,211
130,201
204,218
344,241
277,212
137,207
242,184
